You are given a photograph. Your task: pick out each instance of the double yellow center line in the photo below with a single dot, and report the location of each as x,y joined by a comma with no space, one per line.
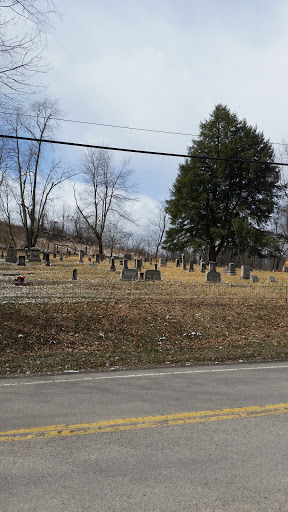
54,431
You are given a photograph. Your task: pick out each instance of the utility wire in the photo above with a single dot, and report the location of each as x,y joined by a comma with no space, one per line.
179,155
166,132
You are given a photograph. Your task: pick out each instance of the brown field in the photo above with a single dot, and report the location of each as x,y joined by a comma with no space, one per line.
99,322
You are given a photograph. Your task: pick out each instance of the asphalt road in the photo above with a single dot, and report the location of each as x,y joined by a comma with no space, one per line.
183,439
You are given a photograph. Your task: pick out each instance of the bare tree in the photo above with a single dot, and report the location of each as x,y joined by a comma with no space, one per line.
23,29
33,170
157,226
108,190
115,235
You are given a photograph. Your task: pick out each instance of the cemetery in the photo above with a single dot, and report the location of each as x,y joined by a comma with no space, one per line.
83,312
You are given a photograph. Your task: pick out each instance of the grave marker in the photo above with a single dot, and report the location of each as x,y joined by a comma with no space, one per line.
212,276
245,272
129,274
11,254
152,275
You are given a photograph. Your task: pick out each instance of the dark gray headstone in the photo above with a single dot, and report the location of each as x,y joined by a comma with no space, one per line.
231,270
112,265
21,261
11,254
212,276
152,275
74,274
129,274
191,267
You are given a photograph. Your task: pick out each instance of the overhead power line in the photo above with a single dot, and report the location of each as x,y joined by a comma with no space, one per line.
178,155
151,130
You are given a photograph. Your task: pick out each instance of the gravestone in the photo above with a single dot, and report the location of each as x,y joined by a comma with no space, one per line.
231,270
177,262
254,279
61,257
271,279
212,276
162,262
151,261
285,269
2,254
47,259
81,256
11,254
202,266
129,274
152,275
97,258
74,274
112,265
191,267
155,266
183,266
245,272
127,256
34,255
138,264
21,261
125,263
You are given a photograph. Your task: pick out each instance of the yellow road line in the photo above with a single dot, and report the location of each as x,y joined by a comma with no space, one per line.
53,431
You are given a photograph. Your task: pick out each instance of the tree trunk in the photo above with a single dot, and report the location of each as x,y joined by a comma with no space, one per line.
212,253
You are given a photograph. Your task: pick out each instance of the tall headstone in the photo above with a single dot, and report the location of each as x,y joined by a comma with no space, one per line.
231,270
162,262
47,259
177,262
112,265
191,267
81,256
212,275
11,254
97,258
202,266
183,266
74,274
125,263
245,272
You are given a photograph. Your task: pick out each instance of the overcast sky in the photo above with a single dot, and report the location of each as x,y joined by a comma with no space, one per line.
164,65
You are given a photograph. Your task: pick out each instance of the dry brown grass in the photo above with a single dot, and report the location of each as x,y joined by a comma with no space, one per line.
100,322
